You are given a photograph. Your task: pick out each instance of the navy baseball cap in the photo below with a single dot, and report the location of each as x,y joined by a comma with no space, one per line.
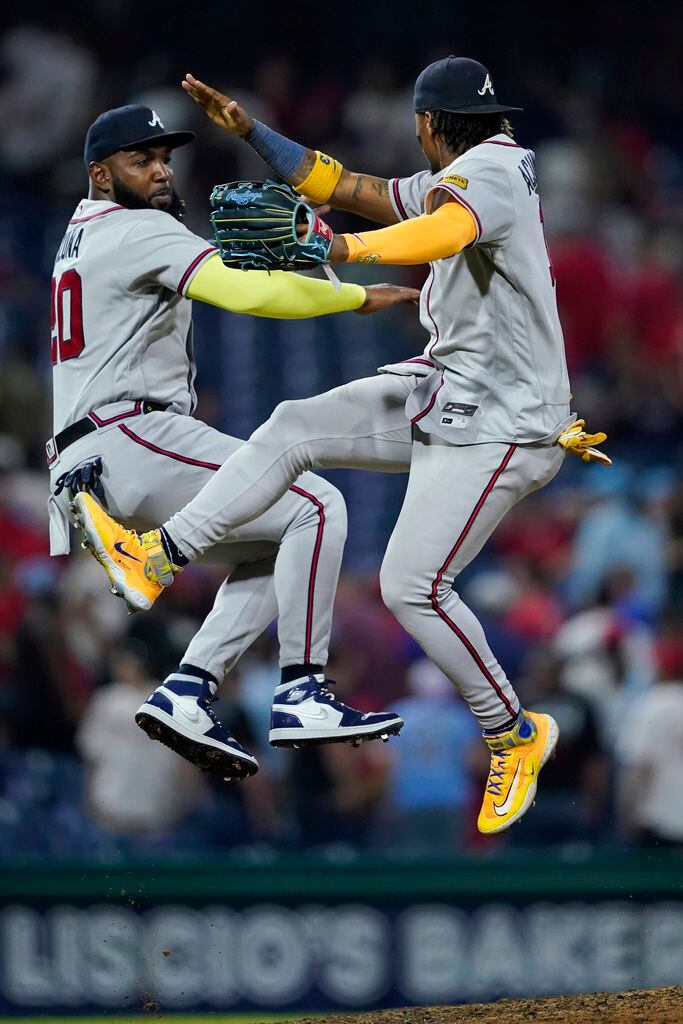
458,85
129,128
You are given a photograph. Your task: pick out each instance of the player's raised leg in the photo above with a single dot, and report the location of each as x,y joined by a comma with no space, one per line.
359,425
456,497
308,525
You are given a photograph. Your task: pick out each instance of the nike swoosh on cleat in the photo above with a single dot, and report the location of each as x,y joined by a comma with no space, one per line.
194,717
320,713
121,550
502,809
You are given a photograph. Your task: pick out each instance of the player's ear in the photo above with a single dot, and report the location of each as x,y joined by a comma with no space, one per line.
100,176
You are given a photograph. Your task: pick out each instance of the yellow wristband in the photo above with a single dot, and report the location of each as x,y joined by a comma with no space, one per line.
323,178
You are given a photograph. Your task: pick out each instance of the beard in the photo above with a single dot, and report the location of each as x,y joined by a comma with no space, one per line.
125,196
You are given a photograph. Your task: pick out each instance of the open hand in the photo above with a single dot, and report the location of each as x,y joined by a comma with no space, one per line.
223,111
381,296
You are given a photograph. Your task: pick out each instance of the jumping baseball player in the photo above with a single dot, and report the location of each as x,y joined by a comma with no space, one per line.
124,395
477,418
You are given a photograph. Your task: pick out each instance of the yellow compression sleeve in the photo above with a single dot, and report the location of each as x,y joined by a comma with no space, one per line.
281,295
433,236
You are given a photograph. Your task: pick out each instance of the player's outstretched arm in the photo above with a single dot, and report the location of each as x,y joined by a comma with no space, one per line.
287,296
434,236
316,175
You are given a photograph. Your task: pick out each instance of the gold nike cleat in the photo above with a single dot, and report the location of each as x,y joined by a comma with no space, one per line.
517,757
136,564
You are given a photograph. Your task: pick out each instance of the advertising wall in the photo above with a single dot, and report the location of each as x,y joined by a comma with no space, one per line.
312,937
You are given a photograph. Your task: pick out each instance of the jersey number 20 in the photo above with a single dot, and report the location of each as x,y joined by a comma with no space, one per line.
66,303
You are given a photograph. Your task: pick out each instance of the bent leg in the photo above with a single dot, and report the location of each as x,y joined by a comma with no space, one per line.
360,425
456,497
159,462
301,539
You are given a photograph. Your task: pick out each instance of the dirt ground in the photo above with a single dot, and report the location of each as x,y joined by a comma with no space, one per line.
653,1006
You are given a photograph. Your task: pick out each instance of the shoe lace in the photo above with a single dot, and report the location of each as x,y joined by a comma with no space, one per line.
206,704
325,691
497,772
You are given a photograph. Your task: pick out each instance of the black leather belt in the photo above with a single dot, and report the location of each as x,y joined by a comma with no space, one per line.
85,426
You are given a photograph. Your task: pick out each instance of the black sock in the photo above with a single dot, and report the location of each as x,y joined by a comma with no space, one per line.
291,672
192,670
171,549
504,728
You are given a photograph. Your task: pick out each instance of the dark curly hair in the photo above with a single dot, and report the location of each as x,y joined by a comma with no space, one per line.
462,131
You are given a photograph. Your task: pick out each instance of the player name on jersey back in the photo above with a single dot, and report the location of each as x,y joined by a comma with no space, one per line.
70,245
121,325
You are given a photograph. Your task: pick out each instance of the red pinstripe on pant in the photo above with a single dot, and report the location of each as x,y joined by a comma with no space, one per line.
434,593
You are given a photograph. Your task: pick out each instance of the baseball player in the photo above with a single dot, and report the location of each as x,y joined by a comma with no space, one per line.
123,371
477,418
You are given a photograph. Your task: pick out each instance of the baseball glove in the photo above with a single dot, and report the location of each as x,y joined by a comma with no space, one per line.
255,226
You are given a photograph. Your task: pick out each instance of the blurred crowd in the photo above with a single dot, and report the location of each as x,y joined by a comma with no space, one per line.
580,590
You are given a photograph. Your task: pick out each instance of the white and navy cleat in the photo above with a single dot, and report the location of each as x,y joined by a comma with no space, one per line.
306,712
179,714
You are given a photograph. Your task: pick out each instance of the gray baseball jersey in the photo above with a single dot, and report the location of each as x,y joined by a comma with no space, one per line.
121,326
491,311
496,355
121,332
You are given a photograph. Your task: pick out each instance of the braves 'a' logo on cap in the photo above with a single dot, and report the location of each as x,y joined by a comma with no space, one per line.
487,86
156,121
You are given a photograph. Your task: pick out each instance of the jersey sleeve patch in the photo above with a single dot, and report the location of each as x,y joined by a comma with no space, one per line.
463,202
456,179
488,195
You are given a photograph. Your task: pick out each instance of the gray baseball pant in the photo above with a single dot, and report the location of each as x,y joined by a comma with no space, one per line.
456,497
285,562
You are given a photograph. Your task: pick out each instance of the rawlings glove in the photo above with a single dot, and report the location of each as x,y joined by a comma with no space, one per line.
575,439
255,226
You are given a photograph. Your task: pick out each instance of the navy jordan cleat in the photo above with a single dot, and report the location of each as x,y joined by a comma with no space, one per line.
306,712
179,713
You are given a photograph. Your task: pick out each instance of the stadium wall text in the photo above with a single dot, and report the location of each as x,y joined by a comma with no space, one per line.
316,937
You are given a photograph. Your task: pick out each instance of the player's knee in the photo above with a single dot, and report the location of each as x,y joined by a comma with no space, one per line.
287,421
285,435
336,518
397,586
405,585
327,507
